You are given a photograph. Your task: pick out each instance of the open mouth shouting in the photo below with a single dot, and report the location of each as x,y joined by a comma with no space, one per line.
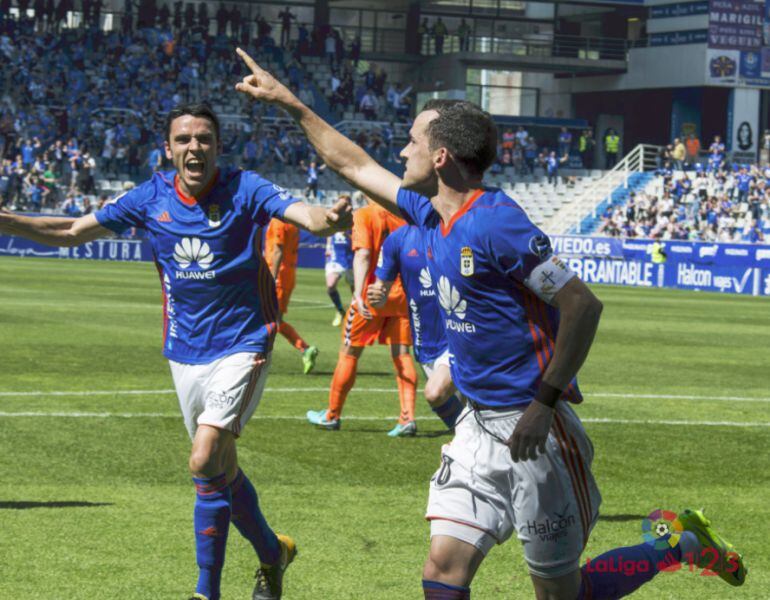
195,168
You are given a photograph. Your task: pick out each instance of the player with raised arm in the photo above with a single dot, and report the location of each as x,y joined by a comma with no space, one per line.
404,255
520,325
388,325
281,249
220,317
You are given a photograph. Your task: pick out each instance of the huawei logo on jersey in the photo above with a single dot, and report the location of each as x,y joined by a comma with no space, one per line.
190,251
454,306
426,281
413,252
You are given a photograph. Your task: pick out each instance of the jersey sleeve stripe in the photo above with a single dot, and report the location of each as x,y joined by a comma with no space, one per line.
571,394
165,302
534,331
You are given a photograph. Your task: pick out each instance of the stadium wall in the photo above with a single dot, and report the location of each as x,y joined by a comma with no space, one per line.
727,268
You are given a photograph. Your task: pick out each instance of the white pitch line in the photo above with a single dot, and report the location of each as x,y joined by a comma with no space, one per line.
379,391
164,392
107,415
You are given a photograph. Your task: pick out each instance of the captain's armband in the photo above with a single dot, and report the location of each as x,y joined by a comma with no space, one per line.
548,278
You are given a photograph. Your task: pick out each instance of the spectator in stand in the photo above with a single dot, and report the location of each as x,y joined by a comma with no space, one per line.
551,163
439,33
396,96
312,171
355,50
509,139
464,35
530,154
744,181
586,146
693,149
611,148
369,105
286,17
306,93
155,159
424,32
678,154
716,154
522,135
330,48
565,142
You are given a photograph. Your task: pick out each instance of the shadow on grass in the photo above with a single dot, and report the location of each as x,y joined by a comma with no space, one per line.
24,505
621,518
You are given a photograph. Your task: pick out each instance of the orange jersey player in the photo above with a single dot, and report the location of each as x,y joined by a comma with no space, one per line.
363,325
281,249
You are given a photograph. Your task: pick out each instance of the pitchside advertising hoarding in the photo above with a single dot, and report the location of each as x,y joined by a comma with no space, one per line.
727,268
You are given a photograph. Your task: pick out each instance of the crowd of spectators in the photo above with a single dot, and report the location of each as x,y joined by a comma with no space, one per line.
712,201
79,104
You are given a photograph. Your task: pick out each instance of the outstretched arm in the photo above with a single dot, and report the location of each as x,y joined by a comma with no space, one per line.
53,231
342,155
319,220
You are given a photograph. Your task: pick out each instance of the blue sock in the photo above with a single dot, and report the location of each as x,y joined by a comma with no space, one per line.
212,521
621,571
435,590
449,411
250,521
336,300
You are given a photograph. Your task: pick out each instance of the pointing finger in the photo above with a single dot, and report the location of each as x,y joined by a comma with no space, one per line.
250,62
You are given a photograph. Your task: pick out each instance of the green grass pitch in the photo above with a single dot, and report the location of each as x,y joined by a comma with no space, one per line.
96,501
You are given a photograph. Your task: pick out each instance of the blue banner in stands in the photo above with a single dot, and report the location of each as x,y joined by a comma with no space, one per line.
734,268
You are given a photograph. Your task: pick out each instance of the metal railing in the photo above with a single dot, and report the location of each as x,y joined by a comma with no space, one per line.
640,159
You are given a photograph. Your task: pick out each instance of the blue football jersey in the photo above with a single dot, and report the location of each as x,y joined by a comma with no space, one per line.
219,297
403,253
501,335
339,249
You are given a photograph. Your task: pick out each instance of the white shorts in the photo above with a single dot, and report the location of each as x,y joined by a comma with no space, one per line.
480,496
429,367
223,393
335,268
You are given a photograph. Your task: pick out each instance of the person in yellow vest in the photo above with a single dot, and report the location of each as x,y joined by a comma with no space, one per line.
611,148
658,253
586,145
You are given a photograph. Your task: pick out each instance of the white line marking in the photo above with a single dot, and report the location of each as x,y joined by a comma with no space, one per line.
108,415
377,391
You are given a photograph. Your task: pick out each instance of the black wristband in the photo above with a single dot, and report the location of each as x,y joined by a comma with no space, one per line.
547,394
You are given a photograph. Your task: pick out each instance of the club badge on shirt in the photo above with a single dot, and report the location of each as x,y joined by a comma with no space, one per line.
466,261
215,218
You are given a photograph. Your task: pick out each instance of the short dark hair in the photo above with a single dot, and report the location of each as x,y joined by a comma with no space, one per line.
468,132
195,109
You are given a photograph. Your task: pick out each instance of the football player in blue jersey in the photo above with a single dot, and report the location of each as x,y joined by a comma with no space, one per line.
519,324
338,263
205,226
404,254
